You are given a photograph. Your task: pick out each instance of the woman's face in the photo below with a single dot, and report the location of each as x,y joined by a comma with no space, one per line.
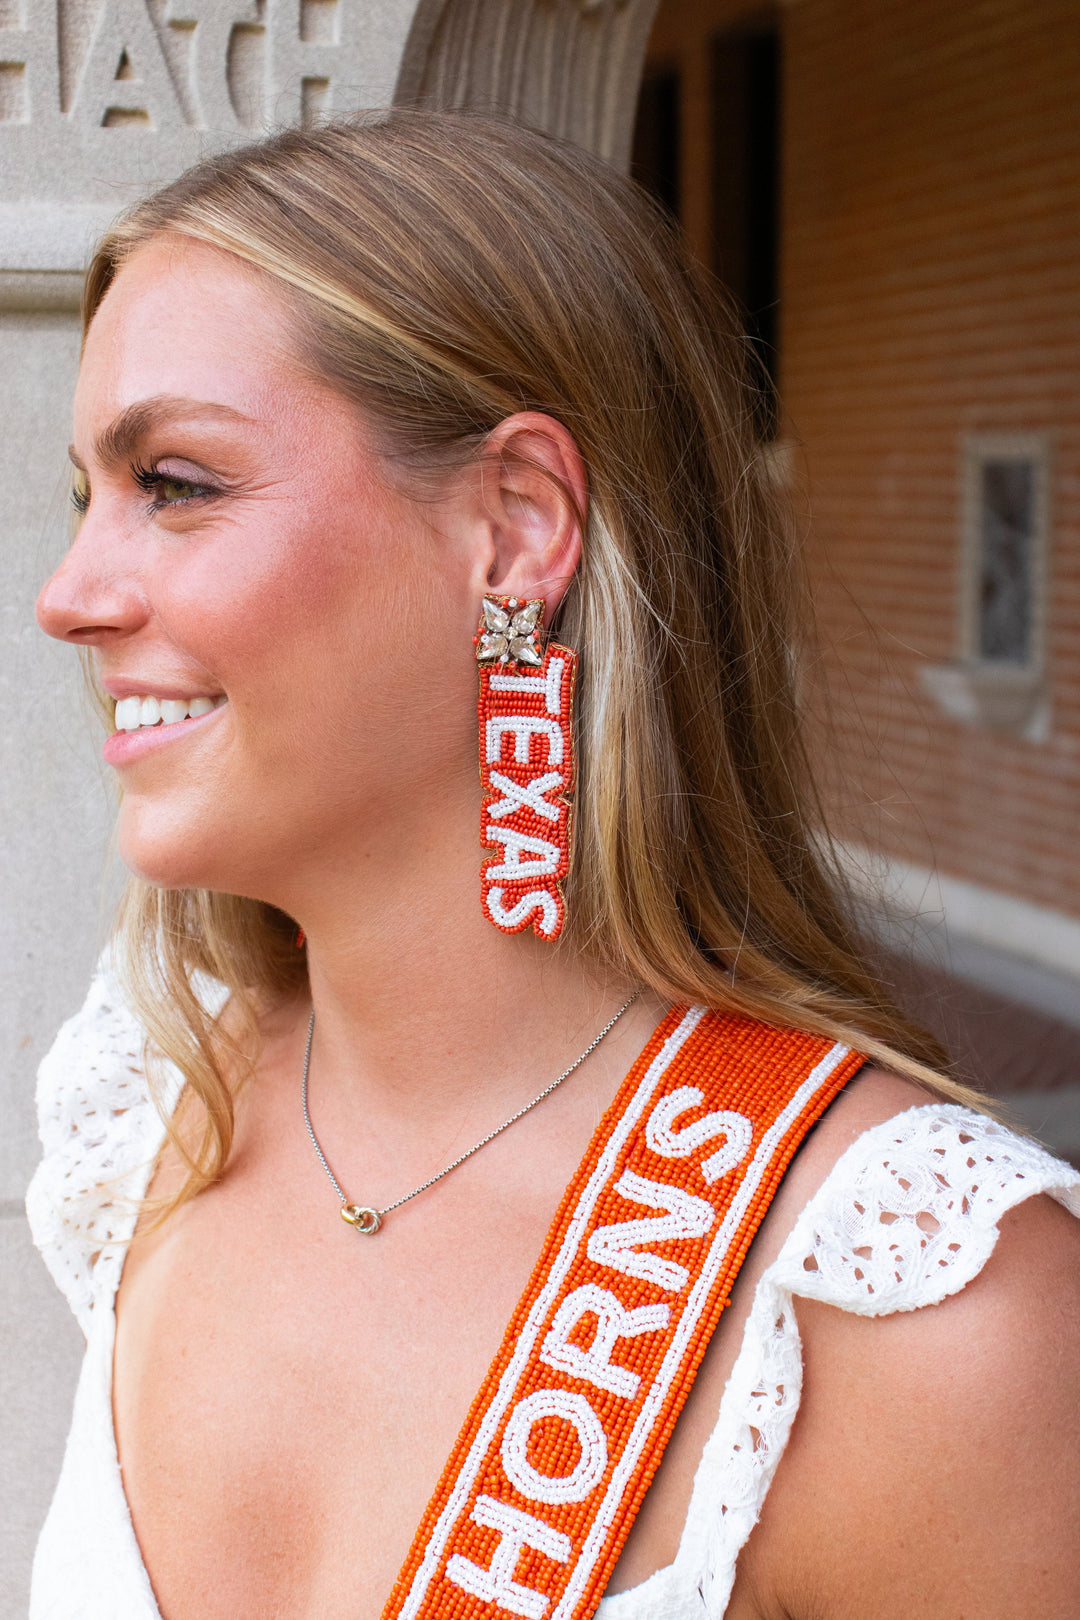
242,549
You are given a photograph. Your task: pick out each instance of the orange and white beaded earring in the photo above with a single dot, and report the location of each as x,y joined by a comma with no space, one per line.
526,767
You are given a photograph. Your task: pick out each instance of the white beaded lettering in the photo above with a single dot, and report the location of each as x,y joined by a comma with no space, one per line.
613,1322
618,1246
545,860
548,686
496,1584
526,817
513,916
672,1144
523,727
525,795
587,1473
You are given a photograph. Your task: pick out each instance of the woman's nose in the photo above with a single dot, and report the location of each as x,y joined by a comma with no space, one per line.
90,600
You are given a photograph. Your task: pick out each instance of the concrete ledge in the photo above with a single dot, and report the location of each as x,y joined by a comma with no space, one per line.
999,697
46,247
41,291
936,901
1012,946
53,236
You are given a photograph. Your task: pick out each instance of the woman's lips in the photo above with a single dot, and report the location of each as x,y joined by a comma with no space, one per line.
124,747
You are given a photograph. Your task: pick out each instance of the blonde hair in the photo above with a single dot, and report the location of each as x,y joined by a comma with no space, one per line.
446,271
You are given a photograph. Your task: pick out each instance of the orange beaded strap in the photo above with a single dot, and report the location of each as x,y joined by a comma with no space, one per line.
569,1427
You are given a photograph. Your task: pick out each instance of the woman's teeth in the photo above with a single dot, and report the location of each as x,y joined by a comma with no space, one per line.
132,713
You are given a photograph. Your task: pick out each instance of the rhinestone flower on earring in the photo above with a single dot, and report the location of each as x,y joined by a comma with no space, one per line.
509,632
526,767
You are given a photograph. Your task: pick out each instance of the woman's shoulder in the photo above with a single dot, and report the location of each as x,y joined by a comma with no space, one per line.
893,1203
916,1426
902,1196
99,1128
952,1430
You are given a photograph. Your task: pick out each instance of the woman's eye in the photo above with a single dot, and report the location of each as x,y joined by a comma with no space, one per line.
177,489
166,490
80,497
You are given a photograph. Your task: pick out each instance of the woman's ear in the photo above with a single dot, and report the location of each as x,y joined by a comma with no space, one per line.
535,492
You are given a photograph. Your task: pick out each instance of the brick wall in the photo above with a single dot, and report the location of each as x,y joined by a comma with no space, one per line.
931,287
930,273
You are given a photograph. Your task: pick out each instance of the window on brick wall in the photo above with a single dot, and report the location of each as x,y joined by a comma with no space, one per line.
998,679
1004,549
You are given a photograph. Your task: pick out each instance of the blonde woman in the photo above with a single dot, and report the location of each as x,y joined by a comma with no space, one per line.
339,391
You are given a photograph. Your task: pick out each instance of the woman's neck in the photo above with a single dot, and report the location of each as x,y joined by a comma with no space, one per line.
418,998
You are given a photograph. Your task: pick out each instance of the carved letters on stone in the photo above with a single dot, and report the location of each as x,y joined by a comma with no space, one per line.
215,65
225,67
100,100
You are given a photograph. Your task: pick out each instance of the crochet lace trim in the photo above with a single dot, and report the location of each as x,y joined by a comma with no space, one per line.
101,1130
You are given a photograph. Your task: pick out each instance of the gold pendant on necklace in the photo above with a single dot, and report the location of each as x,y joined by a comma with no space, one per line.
363,1219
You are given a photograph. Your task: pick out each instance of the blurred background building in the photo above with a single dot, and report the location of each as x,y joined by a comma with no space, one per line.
892,191
891,188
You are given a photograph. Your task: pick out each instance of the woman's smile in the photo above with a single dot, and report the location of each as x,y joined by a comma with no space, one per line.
145,723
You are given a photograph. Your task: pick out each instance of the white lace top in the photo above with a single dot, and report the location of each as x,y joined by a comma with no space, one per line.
907,1216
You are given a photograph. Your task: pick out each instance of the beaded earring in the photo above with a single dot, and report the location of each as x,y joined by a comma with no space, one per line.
526,767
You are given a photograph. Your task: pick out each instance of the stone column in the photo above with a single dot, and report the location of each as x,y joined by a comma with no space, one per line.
99,101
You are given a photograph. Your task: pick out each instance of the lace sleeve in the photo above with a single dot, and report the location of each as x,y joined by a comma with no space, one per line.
907,1216
910,1212
100,1131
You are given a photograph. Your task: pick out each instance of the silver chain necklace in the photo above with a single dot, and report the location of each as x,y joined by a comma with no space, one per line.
361,1217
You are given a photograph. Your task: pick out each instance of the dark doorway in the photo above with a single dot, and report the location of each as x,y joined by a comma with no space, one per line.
735,160
745,108
657,151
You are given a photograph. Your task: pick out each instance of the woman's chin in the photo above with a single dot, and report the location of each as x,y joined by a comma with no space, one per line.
178,855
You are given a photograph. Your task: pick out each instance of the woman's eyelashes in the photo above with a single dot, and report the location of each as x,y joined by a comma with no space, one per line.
168,490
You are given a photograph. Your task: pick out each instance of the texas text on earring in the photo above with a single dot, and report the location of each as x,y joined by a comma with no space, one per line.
526,767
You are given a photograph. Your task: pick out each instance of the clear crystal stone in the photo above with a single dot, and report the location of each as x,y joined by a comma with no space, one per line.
528,618
524,649
491,646
494,618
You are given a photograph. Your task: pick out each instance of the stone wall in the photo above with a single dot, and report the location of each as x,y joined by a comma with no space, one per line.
51,873
100,100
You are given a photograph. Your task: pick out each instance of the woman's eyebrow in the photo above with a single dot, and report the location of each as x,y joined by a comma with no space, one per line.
116,443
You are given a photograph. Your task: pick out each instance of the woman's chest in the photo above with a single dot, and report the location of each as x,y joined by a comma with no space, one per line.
286,1390
286,1395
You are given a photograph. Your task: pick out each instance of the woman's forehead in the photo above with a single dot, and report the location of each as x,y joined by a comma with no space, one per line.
186,327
